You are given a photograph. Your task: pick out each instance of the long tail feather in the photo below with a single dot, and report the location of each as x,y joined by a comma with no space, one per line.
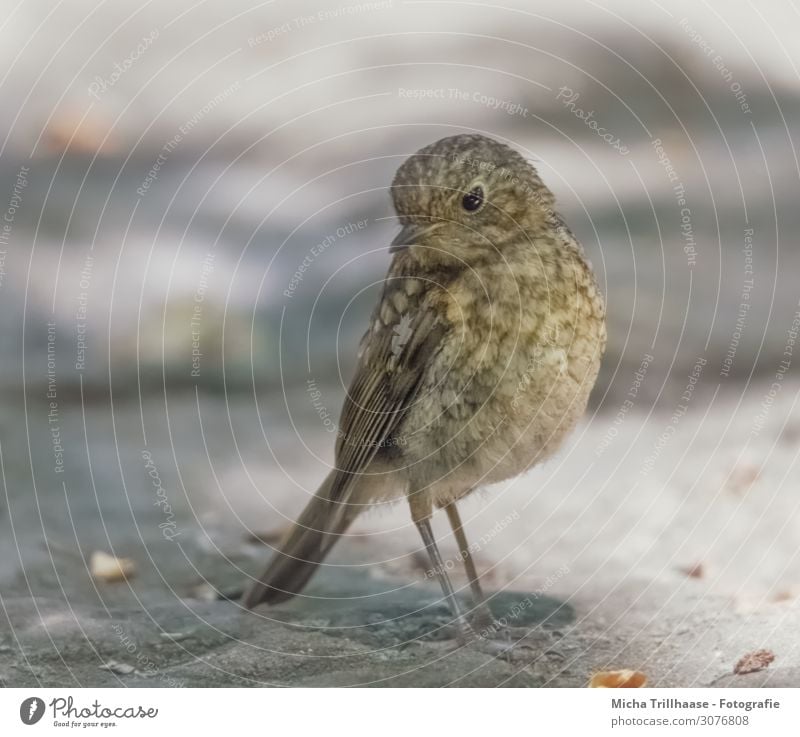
303,549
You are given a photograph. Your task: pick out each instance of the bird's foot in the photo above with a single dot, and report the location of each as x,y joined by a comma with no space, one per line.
516,644
482,619
480,631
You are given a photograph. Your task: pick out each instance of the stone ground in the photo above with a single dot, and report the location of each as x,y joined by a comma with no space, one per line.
676,565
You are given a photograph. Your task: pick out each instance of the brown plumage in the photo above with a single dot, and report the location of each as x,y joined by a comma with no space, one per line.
479,357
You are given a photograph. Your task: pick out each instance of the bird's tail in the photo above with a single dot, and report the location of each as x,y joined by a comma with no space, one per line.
304,548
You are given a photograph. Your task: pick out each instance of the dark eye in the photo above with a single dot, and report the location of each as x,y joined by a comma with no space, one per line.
473,200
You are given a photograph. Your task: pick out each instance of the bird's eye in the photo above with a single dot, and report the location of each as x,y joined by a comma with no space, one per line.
473,200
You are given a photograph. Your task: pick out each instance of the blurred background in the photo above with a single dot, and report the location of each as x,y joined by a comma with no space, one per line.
194,220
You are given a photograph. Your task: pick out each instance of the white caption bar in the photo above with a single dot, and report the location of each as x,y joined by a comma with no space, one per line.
399,712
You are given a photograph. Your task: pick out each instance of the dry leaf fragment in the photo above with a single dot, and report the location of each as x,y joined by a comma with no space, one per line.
742,478
204,592
109,568
618,679
695,571
754,662
78,133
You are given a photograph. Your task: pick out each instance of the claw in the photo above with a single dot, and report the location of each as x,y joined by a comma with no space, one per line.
514,644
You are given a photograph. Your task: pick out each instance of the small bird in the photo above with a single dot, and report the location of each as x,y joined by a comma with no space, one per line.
478,360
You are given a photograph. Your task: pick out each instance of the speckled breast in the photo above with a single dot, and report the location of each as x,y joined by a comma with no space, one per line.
511,380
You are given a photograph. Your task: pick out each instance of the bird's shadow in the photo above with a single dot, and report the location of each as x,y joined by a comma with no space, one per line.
409,615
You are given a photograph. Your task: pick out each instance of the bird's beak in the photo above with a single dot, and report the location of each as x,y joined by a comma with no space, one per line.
408,236
411,235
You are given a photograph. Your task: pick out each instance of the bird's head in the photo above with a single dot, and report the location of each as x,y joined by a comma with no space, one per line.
466,197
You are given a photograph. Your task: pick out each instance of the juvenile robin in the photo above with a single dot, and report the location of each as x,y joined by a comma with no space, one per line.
478,360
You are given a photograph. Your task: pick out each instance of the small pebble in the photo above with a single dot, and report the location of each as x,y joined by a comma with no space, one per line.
121,669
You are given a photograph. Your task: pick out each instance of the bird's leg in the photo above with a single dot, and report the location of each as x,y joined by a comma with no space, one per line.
483,612
495,638
421,513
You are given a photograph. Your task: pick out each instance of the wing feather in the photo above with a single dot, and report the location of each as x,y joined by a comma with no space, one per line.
386,384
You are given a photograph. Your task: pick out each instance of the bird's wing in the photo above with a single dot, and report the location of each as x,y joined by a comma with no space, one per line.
394,354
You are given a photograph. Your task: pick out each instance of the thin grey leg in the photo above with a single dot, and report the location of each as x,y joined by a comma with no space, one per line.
464,629
482,607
